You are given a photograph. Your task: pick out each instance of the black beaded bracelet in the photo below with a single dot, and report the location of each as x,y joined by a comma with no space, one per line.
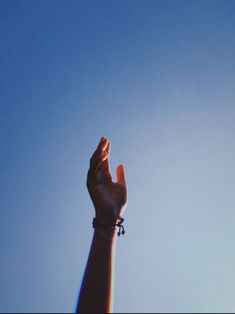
118,224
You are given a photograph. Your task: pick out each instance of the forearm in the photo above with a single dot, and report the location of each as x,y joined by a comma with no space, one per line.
96,291
109,199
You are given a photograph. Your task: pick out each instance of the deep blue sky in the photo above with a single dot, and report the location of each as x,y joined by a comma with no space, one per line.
155,77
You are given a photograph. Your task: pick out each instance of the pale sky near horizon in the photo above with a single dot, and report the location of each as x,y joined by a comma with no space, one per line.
156,78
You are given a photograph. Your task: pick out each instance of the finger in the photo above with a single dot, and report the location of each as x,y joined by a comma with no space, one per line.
108,148
121,175
95,171
96,161
100,154
102,144
105,166
107,161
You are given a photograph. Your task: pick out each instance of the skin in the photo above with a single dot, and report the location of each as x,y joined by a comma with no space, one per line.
109,199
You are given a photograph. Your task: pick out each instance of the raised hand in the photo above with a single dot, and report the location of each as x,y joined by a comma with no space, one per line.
109,198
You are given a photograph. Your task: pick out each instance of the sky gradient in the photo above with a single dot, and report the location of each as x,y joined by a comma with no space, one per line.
156,78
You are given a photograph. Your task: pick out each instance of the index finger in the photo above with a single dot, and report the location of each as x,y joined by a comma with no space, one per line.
102,144
97,156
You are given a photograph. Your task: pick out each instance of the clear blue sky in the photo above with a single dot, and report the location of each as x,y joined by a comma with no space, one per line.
156,78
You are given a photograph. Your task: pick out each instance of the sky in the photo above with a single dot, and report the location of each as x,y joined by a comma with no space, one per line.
157,79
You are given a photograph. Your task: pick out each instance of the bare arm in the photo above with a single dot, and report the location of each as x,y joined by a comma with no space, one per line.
109,199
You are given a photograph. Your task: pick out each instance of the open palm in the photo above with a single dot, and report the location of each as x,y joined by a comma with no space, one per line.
109,198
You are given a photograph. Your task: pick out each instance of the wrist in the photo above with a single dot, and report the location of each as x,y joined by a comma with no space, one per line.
110,228
107,217
105,234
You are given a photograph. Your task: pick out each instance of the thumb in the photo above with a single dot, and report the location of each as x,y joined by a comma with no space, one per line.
121,175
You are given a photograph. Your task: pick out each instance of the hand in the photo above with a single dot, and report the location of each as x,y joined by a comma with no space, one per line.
109,198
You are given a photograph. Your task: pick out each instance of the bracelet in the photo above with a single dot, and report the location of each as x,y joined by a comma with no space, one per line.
118,224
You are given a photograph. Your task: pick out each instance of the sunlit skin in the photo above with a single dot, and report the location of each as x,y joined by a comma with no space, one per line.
109,199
